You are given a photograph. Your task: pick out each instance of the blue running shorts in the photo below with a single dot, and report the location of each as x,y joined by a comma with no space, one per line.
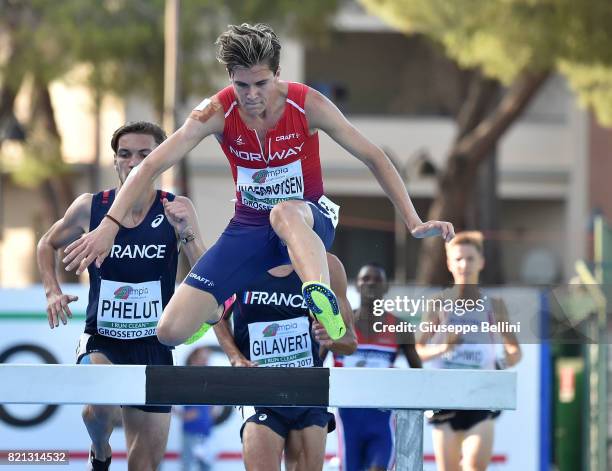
244,251
284,419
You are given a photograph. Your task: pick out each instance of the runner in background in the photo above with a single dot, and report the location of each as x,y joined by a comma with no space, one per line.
273,328
463,439
367,435
127,292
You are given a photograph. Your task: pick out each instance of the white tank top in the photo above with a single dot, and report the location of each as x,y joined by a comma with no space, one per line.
477,351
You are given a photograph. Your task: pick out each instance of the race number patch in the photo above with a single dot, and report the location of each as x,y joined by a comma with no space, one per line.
370,357
283,343
264,188
129,311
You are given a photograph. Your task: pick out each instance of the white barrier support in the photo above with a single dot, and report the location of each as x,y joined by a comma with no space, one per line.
409,440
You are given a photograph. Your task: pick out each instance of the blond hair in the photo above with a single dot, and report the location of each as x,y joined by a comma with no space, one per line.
248,45
473,238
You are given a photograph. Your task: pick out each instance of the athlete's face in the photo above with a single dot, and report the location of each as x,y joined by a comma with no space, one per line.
255,87
131,150
465,262
371,283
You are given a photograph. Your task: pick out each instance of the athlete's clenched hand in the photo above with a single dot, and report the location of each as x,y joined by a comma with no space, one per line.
321,335
177,213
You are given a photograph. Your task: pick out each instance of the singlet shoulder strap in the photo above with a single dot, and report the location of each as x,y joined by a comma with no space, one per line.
105,196
165,194
296,95
227,97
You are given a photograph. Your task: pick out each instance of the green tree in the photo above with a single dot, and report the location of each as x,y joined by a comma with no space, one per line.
121,43
518,43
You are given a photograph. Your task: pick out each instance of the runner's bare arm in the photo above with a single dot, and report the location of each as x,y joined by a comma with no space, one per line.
96,245
408,348
428,351
322,114
224,334
182,215
512,348
347,344
74,223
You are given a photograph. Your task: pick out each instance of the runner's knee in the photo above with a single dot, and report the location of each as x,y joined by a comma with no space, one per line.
474,464
142,459
174,328
166,334
93,414
145,454
286,214
468,467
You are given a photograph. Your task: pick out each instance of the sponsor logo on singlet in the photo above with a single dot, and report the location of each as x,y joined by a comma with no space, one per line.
129,292
201,279
270,331
273,329
294,135
260,176
157,221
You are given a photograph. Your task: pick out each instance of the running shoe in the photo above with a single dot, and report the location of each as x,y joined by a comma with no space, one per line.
323,304
201,332
97,465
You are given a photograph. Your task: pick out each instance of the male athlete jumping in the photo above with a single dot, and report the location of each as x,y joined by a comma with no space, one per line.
268,129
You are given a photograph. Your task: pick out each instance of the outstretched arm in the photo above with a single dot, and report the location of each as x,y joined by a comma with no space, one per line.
74,223
323,114
96,245
224,334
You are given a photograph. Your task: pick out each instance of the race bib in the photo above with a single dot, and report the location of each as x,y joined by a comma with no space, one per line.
330,209
469,356
129,311
264,188
369,358
283,343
